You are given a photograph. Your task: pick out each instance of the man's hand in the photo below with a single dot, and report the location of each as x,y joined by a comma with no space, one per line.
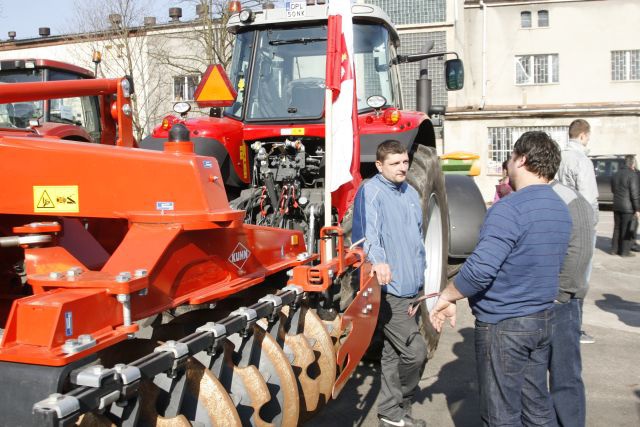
443,310
383,272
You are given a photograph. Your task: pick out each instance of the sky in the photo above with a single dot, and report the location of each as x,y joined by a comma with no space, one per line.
26,16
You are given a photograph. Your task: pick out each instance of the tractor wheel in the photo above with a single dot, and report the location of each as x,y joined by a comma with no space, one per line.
426,176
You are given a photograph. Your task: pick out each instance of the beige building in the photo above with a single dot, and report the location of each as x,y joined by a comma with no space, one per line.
539,64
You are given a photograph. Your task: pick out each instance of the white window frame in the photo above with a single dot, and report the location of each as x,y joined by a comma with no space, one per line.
500,141
548,18
186,95
530,19
530,75
631,68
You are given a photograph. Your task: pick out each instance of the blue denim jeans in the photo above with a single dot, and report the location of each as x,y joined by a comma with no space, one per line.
512,358
565,365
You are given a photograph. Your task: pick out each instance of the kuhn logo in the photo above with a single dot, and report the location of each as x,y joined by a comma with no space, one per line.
239,256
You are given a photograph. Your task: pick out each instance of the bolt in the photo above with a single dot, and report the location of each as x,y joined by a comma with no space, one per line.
140,272
74,272
85,339
54,398
55,275
369,307
123,277
365,294
123,297
370,290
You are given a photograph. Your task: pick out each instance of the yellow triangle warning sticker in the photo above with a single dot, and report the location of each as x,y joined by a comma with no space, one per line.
56,198
215,89
45,201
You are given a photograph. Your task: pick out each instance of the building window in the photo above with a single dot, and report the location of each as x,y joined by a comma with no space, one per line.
625,64
501,140
525,19
537,69
543,18
184,87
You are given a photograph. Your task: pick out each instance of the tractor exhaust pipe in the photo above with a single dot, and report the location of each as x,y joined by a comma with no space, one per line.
423,84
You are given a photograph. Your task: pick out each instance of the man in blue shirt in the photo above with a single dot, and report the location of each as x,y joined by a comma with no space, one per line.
388,214
511,280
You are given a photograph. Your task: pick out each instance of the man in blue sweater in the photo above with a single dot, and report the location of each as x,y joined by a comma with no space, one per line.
511,280
388,214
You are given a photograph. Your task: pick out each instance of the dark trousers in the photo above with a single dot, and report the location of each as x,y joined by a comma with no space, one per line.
623,235
565,365
403,357
512,359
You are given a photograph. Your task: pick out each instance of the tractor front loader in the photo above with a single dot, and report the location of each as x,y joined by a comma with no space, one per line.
132,294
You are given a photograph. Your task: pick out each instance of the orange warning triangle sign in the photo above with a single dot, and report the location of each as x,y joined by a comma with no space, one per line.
215,89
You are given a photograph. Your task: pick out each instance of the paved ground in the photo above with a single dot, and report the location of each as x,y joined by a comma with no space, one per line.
448,395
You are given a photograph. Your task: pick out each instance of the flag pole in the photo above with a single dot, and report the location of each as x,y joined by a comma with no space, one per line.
328,160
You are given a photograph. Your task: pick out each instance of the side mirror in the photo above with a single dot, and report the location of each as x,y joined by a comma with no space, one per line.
454,74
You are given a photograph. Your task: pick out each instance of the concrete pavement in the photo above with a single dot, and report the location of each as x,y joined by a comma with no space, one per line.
448,393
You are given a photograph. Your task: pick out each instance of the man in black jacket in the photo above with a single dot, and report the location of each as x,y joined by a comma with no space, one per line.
626,207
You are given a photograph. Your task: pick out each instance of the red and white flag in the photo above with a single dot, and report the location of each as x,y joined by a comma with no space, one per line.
341,133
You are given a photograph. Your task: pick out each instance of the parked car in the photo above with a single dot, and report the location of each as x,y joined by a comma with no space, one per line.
605,167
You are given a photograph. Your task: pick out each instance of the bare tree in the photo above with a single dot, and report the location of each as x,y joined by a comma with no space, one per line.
207,38
114,29
188,50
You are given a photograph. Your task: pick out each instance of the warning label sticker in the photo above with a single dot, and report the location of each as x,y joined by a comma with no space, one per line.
55,198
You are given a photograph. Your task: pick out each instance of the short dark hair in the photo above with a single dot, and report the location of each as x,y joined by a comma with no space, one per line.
630,160
577,127
542,154
390,146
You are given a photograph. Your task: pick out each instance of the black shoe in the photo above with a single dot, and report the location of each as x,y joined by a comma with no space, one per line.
635,248
406,421
629,254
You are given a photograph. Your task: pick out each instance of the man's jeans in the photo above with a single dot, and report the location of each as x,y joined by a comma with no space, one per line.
512,358
565,365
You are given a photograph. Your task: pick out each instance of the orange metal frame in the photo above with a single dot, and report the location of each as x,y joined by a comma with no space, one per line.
152,230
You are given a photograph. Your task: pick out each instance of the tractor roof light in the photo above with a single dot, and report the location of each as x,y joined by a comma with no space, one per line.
392,116
235,6
247,16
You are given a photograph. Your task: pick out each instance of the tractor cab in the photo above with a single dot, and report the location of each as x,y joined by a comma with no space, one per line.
278,65
80,114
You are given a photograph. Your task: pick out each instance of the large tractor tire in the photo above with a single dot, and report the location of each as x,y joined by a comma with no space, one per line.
426,176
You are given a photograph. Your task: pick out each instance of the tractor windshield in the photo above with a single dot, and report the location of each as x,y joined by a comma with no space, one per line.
76,111
18,114
280,73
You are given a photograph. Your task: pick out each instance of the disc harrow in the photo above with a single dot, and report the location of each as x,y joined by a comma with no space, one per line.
270,364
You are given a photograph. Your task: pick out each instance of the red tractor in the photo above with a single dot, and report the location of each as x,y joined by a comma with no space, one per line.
73,119
270,141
